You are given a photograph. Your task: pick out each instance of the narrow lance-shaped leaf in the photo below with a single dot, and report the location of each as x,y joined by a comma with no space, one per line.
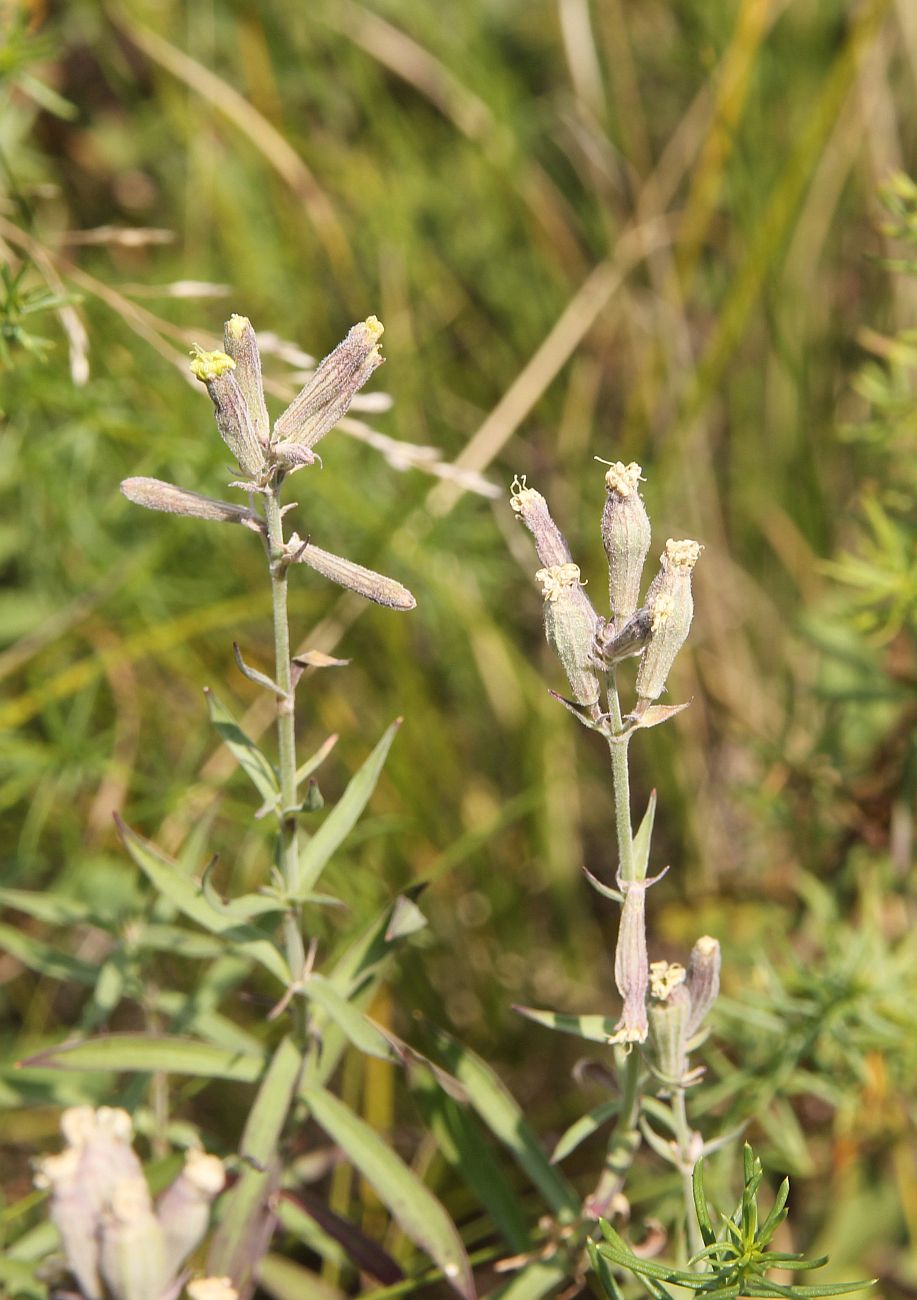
583,1128
355,977
245,751
245,940
594,1028
354,1024
345,814
411,1203
123,1053
644,837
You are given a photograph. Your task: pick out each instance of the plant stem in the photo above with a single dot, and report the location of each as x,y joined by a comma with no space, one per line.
625,1138
620,780
683,1136
286,730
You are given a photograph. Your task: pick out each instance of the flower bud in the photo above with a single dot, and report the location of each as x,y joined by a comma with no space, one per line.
241,345
365,582
328,394
215,369
631,963
669,1011
183,1210
570,625
132,1258
531,509
671,605
154,494
626,535
703,980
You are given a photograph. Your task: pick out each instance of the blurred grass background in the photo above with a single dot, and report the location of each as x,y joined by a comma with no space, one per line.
637,231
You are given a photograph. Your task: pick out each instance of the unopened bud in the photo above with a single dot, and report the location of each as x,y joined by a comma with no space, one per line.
570,625
531,509
215,369
671,605
133,1261
241,344
626,535
669,1011
365,582
703,980
183,1210
154,494
328,394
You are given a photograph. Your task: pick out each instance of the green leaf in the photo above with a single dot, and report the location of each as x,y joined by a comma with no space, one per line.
245,940
412,1204
46,958
245,751
594,1028
150,1052
285,1280
241,909
643,838
315,760
463,1145
406,919
583,1128
355,977
345,814
53,909
504,1117
777,1215
604,1273
235,1248
700,1205
358,1029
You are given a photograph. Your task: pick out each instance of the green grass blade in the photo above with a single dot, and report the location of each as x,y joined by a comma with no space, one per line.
460,1140
410,1202
504,1117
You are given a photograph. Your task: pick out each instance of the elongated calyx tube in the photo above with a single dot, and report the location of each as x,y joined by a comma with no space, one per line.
671,606
531,509
215,370
703,980
669,1012
626,537
328,394
241,343
103,1211
570,625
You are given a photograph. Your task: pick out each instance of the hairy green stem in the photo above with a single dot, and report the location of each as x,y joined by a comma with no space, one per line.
683,1137
625,1139
286,729
620,780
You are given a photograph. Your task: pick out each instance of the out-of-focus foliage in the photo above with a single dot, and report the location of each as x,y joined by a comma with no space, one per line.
655,228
